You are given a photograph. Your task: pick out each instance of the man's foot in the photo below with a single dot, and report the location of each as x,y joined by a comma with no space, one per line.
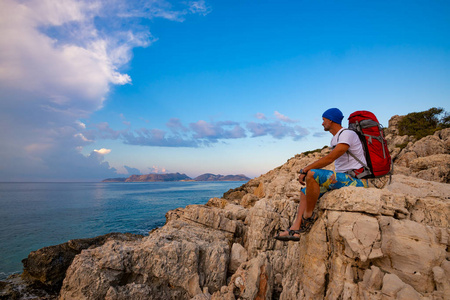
307,223
288,235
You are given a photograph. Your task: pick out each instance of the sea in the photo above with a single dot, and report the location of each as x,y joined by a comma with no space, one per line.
37,215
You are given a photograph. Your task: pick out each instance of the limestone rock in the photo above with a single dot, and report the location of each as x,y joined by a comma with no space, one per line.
209,217
410,250
236,212
370,286
259,191
411,186
265,220
354,199
249,200
217,202
393,125
442,278
16,288
432,161
169,264
428,158
47,266
361,234
238,256
253,280
395,288
429,145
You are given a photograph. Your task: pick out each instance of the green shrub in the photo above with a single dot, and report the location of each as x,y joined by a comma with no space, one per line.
421,124
314,151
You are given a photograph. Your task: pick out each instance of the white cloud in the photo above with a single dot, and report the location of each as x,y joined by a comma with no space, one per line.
74,73
58,61
60,12
199,7
80,124
103,151
156,170
284,118
82,137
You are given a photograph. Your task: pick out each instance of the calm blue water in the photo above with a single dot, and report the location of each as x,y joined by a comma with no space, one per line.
36,215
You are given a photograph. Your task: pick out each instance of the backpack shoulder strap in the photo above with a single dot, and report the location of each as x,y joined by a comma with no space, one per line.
339,134
366,167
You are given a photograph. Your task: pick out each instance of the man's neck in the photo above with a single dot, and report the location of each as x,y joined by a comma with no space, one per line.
335,127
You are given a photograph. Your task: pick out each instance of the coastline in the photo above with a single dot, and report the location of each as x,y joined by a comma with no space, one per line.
89,209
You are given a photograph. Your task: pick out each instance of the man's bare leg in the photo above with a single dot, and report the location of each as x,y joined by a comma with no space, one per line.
298,218
312,195
307,202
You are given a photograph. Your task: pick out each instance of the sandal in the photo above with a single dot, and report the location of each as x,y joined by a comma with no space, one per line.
307,223
290,236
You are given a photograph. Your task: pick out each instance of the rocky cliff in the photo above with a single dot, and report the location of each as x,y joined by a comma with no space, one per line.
428,158
390,243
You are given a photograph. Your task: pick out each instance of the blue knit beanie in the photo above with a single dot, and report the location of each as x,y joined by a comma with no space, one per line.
334,115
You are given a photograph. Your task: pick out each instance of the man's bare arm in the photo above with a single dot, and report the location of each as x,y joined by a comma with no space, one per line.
325,161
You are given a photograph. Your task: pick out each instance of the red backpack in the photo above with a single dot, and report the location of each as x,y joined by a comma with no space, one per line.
370,132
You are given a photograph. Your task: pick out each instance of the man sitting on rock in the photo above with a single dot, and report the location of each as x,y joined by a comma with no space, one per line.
319,181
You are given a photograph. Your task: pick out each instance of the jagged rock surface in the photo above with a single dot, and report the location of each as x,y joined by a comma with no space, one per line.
427,158
366,244
45,269
390,243
48,266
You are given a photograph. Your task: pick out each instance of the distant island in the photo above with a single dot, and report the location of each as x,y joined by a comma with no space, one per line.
178,177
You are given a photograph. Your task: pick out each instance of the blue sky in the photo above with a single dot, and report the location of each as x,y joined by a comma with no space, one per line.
97,89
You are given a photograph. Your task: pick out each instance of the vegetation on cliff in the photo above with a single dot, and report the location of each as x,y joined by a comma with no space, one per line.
424,123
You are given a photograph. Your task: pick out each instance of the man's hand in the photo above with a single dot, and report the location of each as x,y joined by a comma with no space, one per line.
301,178
340,149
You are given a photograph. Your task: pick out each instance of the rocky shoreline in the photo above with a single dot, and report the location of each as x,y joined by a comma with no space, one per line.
390,243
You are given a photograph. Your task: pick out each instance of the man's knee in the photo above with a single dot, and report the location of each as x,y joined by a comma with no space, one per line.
310,176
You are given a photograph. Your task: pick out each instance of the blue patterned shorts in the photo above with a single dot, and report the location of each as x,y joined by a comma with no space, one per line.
330,180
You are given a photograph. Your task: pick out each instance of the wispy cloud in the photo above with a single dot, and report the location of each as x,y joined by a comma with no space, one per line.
219,130
160,9
199,7
277,130
202,133
195,135
175,125
284,118
320,134
157,138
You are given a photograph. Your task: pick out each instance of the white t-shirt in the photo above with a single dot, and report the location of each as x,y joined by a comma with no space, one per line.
346,162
